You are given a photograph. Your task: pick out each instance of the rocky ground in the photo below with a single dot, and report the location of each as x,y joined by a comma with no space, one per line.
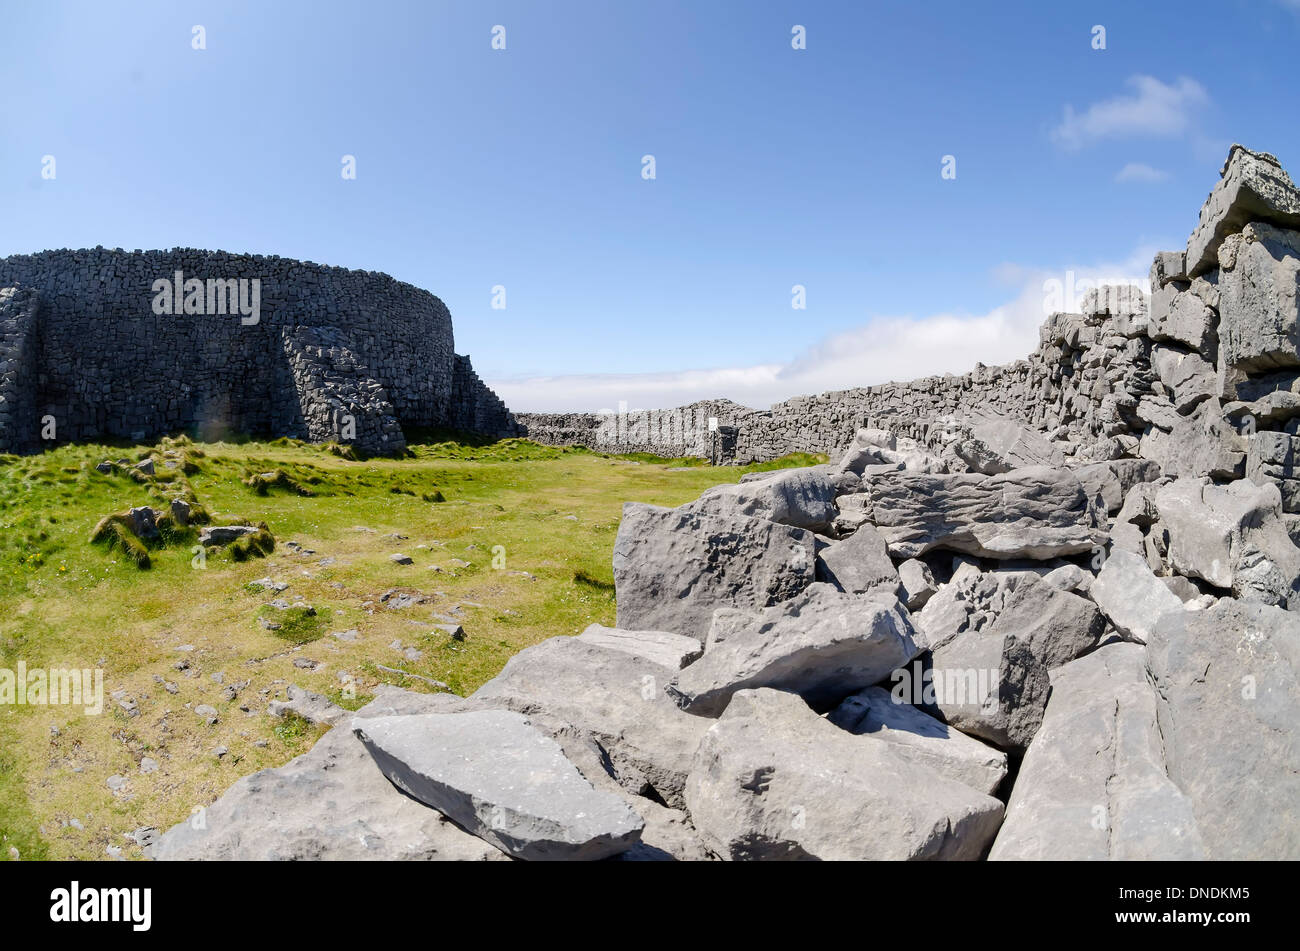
428,571
870,659
966,637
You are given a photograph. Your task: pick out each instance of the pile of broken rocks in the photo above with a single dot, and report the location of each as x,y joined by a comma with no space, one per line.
875,658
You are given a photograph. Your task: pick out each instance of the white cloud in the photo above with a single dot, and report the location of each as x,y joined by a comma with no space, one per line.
883,349
1153,109
1140,173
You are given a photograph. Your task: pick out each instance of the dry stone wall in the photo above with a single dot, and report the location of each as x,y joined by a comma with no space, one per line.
18,307
1201,375
250,343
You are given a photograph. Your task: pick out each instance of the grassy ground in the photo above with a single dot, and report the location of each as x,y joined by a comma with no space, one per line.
511,539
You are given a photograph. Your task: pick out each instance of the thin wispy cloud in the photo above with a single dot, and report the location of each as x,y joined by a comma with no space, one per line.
1141,174
886,348
1151,109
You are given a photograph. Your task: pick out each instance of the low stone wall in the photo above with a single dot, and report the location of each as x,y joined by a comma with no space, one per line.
1035,391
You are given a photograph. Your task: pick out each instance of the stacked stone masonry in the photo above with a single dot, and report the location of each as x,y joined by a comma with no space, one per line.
1201,376
315,352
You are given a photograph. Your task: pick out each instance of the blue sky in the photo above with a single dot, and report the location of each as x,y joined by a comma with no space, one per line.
774,167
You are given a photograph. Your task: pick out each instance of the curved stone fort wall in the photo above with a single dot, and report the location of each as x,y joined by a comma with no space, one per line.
93,343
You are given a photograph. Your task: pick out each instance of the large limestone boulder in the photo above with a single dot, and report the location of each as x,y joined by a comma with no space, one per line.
1188,378
1131,596
1253,187
1231,536
332,802
1035,512
773,780
1093,784
993,684
497,777
1136,517
672,568
1183,313
568,686
921,738
917,582
859,563
1202,443
1168,266
822,644
804,498
1258,300
1229,704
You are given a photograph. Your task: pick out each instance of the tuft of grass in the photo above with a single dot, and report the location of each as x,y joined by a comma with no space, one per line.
257,545
298,624
263,482
116,533
293,729
341,451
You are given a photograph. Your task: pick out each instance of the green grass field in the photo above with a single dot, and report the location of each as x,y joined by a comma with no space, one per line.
510,538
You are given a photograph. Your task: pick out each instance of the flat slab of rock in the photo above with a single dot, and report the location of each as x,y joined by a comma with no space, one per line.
329,803
1014,444
1034,512
496,776
822,644
1253,186
921,738
224,534
568,685
1093,784
670,650
773,780
1131,596
918,584
672,568
1229,704
668,835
